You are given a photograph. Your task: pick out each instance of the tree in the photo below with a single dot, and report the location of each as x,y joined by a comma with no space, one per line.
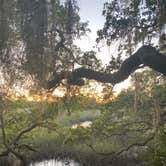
42,44
132,22
146,55
36,38
17,122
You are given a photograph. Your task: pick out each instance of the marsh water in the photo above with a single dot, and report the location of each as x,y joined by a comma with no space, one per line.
55,163
62,162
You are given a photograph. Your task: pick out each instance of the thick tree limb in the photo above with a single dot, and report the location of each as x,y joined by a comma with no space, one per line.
24,131
144,143
146,55
125,149
7,146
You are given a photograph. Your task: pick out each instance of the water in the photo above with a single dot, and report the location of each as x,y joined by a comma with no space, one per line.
55,163
62,162
85,124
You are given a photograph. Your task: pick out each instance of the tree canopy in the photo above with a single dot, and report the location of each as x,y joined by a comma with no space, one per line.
36,38
130,23
37,49
36,41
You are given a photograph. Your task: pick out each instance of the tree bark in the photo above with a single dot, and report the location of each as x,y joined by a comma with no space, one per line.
136,94
162,24
146,55
18,155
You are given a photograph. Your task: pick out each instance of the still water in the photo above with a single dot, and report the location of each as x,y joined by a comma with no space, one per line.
62,162
55,163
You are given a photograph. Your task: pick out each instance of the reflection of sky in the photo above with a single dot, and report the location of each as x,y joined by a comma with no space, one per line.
55,163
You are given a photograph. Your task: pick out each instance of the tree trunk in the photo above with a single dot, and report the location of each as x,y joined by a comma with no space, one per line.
157,114
136,95
162,25
12,152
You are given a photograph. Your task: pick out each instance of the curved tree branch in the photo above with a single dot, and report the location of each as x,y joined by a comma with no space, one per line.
146,56
24,131
7,146
125,149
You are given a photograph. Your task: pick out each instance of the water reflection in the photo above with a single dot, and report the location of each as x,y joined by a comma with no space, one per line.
56,163
85,124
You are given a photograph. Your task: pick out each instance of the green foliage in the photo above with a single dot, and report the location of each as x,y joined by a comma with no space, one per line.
124,99
89,60
115,126
36,38
22,116
130,23
77,135
157,156
128,19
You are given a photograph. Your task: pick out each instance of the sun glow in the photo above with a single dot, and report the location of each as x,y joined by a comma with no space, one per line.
98,91
122,86
59,92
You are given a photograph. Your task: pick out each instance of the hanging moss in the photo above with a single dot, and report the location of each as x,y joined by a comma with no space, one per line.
36,35
4,27
34,24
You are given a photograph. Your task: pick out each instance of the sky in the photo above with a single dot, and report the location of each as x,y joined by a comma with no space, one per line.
91,10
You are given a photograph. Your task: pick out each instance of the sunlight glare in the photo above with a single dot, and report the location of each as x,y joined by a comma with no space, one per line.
121,86
58,92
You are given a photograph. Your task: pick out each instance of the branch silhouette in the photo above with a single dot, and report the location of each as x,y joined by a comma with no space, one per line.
145,55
